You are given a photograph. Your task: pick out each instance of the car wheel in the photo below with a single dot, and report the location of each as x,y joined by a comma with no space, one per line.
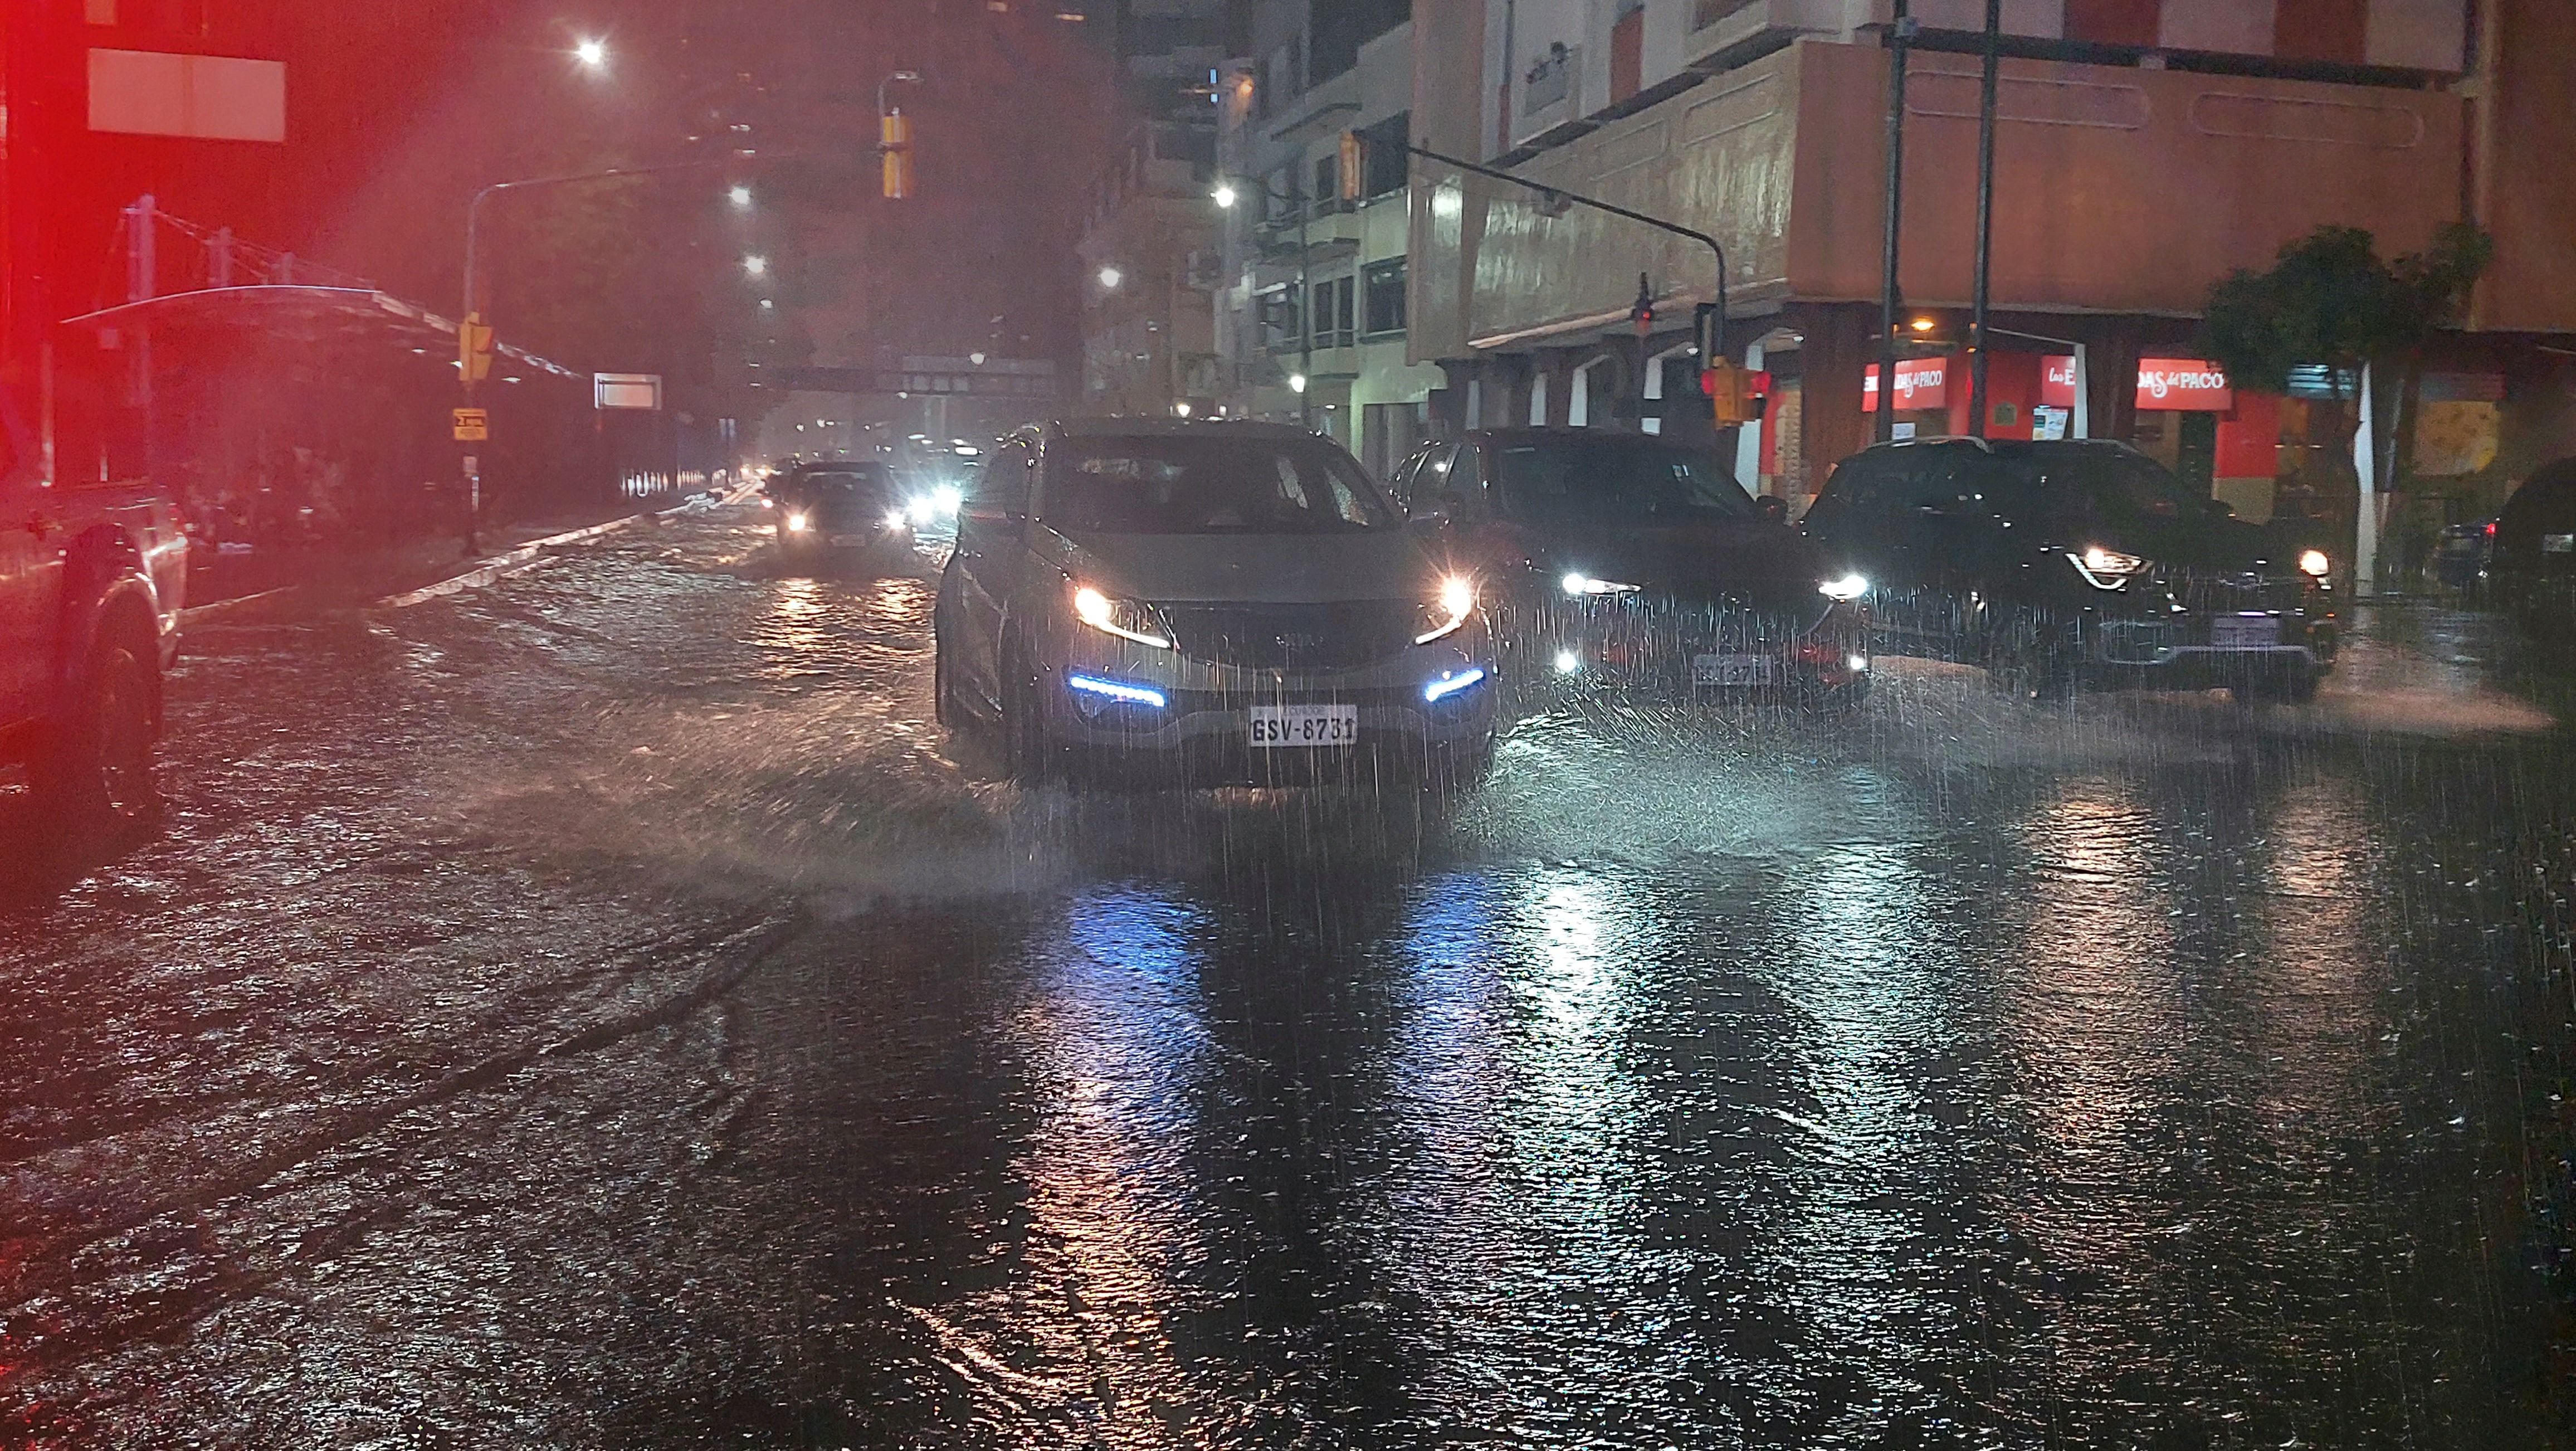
1026,752
97,772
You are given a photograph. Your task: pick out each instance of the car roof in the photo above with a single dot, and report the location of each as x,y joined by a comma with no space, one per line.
2007,447
1132,427
1562,433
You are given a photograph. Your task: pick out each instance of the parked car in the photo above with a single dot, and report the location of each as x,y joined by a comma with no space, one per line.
2460,557
2075,564
1619,563
2533,568
91,579
1206,603
840,504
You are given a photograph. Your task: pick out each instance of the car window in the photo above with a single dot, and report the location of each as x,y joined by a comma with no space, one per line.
1613,480
867,480
1208,484
1399,485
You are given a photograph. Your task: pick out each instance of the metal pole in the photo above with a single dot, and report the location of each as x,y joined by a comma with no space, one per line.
1717,341
1305,300
1985,224
1900,41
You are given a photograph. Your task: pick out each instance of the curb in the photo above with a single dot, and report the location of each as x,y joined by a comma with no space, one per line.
499,566
194,613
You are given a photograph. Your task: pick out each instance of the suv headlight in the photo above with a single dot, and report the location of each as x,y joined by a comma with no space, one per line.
1448,610
1583,584
1126,619
1844,587
2106,568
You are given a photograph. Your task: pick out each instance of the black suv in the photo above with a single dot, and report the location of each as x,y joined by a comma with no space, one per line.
2533,567
1619,563
2074,564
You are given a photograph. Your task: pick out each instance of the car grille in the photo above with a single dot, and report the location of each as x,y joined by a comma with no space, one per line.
2220,593
1294,637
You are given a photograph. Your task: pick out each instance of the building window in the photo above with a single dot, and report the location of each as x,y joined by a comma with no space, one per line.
1383,160
1335,323
1328,178
1279,325
1385,296
1705,13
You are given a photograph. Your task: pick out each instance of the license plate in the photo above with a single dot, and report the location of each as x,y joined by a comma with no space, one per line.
1304,725
2244,632
1731,669
2558,543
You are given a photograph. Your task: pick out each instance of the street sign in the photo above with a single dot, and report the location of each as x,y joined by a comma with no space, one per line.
626,390
473,425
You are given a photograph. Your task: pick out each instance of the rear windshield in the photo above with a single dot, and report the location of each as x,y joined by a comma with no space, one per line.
856,479
1614,481
1208,485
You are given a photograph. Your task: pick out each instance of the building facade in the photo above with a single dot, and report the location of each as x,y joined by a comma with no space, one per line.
2144,149
1149,237
1311,317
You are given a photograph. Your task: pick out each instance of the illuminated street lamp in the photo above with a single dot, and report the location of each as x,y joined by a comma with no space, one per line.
1110,277
1224,194
591,52
740,196
755,266
1297,383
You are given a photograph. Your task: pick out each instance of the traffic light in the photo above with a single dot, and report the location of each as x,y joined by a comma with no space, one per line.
1354,157
1642,312
1735,395
473,349
894,145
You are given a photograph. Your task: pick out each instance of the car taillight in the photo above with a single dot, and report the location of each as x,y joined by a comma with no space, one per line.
2490,528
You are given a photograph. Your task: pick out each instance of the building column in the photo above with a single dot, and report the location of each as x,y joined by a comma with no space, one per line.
1842,339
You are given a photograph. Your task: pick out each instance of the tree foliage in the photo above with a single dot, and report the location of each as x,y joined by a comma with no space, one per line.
2329,298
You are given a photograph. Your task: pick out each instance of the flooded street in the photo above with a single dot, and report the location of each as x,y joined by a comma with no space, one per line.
603,1010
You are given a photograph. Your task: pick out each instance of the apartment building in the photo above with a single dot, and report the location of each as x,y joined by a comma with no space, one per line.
1311,316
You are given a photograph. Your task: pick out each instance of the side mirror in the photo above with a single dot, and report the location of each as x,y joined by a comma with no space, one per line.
1431,516
1773,508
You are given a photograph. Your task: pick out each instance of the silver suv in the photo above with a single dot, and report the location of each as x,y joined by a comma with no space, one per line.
1207,604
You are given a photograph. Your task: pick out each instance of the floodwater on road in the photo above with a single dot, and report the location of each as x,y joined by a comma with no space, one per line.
603,1010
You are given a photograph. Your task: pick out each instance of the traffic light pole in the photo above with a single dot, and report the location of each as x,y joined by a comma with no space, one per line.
1556,194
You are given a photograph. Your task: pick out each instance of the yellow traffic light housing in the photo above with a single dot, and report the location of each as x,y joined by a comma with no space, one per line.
894,147
473,349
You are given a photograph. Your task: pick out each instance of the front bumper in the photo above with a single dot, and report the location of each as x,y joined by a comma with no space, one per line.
1668,654
2188,652
1200,731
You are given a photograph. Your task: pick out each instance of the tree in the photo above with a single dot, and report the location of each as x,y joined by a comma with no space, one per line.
2330,300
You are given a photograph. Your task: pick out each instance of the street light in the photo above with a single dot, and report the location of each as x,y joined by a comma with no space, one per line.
1110,277
591,52
1224,194
740,196
1297,383
755,266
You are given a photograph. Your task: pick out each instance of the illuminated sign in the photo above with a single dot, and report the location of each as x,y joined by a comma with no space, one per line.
1920,383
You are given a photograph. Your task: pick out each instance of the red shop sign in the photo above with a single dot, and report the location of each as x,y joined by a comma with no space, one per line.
2057,382
1920,383
2183,385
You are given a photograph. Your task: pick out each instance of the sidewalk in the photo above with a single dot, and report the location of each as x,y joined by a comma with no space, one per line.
341,576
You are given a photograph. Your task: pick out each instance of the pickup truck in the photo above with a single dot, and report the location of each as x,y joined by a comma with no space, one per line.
91,580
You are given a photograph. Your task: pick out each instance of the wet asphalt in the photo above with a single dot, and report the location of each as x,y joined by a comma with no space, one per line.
603,1010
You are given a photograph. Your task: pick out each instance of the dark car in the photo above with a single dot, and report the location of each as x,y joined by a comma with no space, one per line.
2532,572
2076,564
1622,563
1202,604
91,578
849,504
2460,557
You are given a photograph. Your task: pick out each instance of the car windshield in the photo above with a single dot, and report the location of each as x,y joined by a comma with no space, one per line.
1615,481
1208,485
858,478
2111,484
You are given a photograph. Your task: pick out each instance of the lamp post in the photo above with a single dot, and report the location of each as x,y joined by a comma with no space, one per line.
1224,196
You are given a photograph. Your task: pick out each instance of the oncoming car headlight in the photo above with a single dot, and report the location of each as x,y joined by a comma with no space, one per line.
2315,565
1126,619
1584,584
2106,568
1844,587
797,523
1446,613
